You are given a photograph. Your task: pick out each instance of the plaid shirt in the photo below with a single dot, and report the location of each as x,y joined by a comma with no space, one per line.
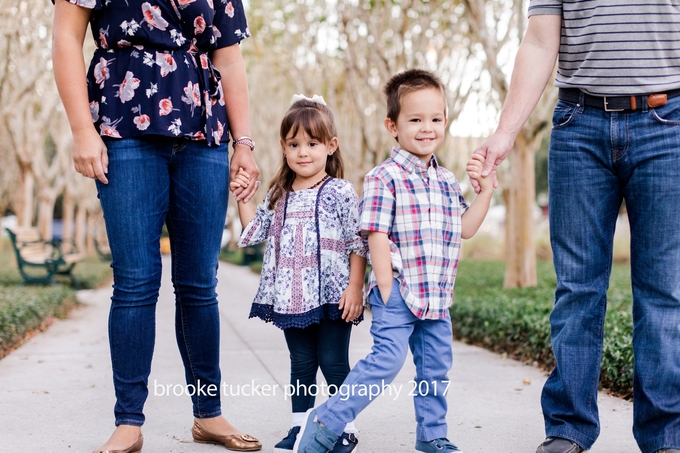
420,210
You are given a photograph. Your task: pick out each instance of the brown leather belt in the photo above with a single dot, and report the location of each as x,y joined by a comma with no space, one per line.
616,103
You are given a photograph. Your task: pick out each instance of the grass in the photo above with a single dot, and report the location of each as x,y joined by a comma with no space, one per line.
516,322
26,309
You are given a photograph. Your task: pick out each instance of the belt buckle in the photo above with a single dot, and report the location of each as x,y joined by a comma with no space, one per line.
607,109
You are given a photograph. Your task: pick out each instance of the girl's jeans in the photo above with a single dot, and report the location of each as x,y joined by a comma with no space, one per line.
183,184
597,159
325,346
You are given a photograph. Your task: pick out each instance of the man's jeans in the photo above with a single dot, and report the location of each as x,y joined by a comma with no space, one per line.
183,184
597,159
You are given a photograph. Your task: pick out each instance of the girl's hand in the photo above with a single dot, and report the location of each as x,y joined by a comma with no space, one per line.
239,181
90,156
474,170
351,303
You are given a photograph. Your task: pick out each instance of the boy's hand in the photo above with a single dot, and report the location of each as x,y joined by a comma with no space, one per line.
351,303
474,170
240,180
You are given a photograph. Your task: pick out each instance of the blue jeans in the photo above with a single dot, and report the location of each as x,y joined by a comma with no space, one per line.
183,184
597,159
395,327
324,345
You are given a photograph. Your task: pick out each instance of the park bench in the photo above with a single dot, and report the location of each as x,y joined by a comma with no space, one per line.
39,260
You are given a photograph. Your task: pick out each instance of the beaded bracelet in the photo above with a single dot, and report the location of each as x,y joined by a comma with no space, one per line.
245,140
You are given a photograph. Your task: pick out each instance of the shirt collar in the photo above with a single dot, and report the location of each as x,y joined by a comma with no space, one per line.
410,162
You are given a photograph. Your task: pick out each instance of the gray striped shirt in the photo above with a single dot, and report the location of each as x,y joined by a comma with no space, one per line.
611,47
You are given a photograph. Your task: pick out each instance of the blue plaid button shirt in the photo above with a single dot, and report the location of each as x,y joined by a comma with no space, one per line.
420,210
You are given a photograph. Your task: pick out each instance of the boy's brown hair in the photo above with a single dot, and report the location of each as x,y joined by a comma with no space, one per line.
406,82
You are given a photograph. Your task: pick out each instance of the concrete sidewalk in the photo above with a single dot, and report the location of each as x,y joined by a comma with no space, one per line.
56,393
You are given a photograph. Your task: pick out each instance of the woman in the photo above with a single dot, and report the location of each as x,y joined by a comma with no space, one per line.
151,123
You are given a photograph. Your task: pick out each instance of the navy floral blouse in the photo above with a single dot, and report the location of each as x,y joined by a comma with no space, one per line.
151,73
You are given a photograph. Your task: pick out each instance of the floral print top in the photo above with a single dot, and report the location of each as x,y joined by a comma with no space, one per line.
310,235
151,73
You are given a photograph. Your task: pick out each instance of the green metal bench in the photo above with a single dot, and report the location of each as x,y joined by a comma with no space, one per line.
39,260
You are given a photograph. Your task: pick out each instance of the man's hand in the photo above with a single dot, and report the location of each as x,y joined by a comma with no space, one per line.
494,150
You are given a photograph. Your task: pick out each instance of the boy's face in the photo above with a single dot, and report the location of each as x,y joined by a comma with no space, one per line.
421,123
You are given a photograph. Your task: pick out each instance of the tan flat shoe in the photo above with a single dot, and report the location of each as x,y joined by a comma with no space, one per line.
234,442
135,448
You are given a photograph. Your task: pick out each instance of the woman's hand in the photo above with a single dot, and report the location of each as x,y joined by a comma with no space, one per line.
90,156
243,160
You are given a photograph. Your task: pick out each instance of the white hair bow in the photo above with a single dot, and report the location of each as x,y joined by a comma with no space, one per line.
301,97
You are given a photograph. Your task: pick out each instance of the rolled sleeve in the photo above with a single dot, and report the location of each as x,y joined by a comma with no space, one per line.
545,7
377,206
257,229
230,24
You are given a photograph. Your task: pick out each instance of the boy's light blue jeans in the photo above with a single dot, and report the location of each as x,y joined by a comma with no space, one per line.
184,184
598,159
394,328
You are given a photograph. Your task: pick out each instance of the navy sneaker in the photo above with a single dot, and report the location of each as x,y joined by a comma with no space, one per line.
314,437
346,443
441,445
559,445
287,443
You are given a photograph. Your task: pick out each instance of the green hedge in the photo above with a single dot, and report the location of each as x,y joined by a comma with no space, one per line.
27,308
516,321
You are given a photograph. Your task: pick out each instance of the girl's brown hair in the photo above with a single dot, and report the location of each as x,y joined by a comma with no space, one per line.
318,122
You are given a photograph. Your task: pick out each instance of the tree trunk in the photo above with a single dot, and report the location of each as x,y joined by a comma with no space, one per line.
81,227
25,214
68,211
46,202
89,235
519,221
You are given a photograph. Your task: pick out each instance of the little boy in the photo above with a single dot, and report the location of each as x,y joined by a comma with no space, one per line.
414,215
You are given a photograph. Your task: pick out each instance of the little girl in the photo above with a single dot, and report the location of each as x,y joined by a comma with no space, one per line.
314,263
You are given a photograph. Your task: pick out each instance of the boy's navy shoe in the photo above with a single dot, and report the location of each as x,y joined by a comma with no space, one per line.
346,443
441,445
314,437
287,443
559,445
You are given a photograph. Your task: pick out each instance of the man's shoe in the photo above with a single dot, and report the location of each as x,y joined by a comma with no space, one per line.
287,443
441,445
668,450
346,443
314,437
559,445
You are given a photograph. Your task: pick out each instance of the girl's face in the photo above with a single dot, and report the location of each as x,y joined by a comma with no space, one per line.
307,157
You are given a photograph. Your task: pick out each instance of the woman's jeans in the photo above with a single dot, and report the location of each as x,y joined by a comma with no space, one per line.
597,159
183,184
325,346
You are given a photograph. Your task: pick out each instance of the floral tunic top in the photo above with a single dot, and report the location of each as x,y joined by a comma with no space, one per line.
151,74
310,235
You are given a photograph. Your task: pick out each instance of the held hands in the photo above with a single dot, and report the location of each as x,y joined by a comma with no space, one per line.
90,156
243,160
240,184
351,303
474,168
494,150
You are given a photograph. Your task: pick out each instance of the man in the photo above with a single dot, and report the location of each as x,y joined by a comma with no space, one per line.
616,136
